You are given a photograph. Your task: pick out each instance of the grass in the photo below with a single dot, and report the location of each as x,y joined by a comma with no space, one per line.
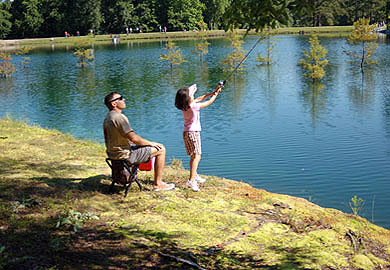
142,37
47,177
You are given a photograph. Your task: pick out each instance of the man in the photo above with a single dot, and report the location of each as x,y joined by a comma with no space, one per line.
120,139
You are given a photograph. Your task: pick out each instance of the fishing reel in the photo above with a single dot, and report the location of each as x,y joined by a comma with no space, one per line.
222,83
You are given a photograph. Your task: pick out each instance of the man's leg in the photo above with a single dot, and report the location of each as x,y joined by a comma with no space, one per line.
158,165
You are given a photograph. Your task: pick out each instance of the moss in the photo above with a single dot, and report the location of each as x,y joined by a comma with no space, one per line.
360,261
229,225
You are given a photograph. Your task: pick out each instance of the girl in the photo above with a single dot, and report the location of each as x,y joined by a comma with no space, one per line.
190,108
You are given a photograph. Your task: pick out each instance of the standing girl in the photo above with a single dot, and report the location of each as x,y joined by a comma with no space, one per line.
190,108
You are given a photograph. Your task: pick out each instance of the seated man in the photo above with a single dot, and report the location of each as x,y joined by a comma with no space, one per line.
120,139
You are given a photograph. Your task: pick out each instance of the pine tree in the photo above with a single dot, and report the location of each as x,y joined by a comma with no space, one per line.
6,67
85,56
174,55
314,62
202,47
270,42
238,53
363,36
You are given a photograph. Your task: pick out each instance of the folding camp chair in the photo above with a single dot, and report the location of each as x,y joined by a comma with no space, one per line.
123,173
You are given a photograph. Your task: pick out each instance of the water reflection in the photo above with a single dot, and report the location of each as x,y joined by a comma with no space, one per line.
362,88
315,99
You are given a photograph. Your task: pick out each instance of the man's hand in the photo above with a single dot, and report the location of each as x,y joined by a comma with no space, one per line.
156,145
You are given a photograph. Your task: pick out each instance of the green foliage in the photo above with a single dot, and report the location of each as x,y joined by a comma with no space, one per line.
75,219
314,62
234,58
25,203
5,19
173,56
215,12
85,56
356,205
363,36
44,18
185,14
6,67
30,18
259,14
3,257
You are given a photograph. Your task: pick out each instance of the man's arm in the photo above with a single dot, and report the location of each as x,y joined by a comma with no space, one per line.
138,140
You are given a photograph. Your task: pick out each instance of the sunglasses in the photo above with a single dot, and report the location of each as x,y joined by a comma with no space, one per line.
118,98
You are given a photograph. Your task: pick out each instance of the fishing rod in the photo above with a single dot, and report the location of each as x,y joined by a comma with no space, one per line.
222,82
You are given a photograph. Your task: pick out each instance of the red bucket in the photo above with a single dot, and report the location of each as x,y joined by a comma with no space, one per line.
148,166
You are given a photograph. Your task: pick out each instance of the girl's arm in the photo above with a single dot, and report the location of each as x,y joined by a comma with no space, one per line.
213,97
201,98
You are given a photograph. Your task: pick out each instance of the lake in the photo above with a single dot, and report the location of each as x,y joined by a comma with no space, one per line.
268,127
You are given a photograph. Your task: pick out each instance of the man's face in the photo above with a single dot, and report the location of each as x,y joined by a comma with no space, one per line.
118,101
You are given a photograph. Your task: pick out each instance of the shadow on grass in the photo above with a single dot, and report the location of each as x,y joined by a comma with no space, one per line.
98,246
52,168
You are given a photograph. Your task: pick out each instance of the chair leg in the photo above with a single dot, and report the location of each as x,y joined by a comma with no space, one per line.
127,188
132,169
111,186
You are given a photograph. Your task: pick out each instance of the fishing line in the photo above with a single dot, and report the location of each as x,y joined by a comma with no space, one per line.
242,60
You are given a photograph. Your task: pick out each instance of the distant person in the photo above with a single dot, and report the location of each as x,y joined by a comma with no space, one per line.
122,143
127,30
165,29
190,108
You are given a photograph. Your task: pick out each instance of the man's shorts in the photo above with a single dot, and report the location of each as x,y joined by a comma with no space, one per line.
192,142
140,154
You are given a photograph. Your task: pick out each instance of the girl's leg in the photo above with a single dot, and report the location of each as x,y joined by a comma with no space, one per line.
194,162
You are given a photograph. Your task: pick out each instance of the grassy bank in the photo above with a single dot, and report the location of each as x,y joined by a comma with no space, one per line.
56,213
325,30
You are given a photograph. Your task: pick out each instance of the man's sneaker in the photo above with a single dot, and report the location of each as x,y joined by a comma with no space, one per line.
193,185
200,179
165,187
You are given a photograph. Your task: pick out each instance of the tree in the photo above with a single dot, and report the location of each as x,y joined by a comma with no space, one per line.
256,15
364,37
117,15
234,58
85,56
174,56
325,12
146,14
215,11
5,19
6,67
27,16
185,14
314,62
372,9
202,47
266,35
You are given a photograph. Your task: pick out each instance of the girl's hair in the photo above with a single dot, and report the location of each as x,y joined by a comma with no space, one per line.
182,98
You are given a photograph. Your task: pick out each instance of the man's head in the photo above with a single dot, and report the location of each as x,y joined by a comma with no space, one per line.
115,100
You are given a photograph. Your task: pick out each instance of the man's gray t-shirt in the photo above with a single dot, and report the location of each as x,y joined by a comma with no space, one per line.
116,126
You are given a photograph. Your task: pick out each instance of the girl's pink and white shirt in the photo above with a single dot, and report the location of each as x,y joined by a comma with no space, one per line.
192,118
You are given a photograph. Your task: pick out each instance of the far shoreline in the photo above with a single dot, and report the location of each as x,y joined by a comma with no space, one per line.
14,44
